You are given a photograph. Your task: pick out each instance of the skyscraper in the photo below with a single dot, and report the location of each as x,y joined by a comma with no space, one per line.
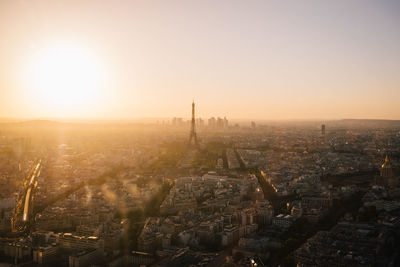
212,122
323,129
220,123
226,122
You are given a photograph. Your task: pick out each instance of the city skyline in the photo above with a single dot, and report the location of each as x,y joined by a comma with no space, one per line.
258,60
232,133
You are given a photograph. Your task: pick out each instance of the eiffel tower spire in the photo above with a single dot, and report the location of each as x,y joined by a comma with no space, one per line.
193,136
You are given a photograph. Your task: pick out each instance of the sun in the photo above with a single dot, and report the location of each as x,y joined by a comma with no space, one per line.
65,79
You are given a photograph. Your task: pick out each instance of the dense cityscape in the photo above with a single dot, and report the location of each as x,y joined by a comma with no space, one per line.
187,194
228,133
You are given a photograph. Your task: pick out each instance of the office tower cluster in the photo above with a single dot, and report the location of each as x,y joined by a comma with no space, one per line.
213,122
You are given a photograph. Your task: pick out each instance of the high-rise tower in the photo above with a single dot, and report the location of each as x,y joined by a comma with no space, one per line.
193,136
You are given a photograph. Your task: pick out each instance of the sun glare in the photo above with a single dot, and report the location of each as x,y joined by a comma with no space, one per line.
65,78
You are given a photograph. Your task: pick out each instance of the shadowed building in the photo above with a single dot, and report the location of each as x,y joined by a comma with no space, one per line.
387,176
386,168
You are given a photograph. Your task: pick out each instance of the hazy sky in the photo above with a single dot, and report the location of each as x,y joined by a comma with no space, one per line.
240,59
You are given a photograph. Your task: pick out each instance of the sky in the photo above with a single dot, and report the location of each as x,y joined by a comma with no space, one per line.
241,59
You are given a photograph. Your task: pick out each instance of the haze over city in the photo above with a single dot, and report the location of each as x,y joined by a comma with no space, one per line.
215,133
243,59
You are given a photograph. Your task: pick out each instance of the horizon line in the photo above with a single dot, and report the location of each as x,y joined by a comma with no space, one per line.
52,119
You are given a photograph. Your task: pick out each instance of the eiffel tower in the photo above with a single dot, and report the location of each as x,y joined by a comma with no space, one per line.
193,136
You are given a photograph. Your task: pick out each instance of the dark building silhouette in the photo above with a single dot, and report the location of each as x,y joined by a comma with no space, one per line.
193,135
